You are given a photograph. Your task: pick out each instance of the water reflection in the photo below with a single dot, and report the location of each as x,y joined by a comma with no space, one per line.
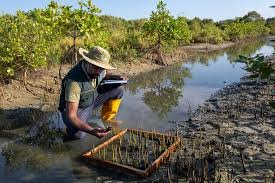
163,88
33,151
205,58
21,156
231,52
245,49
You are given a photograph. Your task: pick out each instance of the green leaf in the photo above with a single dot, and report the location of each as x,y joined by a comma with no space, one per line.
272,104
10,72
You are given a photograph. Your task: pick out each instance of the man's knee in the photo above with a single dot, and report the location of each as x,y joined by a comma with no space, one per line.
119,91
80,134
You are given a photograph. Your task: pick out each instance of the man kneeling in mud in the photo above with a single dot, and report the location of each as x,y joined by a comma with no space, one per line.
81,93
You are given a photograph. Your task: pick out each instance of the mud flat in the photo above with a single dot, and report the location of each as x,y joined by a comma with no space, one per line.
231,138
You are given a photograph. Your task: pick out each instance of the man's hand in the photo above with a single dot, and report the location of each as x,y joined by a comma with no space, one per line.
71,109
99,132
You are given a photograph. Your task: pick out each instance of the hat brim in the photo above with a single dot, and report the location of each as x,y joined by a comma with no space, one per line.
103,65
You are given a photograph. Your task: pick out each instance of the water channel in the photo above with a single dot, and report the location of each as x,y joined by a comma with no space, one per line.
151,101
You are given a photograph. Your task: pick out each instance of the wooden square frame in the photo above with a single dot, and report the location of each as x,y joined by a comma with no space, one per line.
89,156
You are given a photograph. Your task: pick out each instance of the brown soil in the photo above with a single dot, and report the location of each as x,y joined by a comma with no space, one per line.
204,47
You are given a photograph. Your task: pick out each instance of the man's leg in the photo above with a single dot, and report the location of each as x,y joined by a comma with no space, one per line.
73,132
111,102
83,114
102,98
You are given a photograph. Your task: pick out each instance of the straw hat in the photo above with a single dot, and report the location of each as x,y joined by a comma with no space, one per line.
97,56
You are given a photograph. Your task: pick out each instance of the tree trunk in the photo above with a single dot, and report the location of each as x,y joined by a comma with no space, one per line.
62,60
26,83
25,76
160,59
75,52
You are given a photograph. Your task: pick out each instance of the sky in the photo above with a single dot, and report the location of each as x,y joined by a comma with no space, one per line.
134,9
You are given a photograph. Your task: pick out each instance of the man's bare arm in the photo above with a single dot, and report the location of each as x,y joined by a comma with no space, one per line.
71,112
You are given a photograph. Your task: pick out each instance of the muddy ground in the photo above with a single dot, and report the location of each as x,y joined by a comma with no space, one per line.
231,138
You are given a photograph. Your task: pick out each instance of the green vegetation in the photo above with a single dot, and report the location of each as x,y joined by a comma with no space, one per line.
163,30
270,23
34,39
24,44
240,29
258,66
